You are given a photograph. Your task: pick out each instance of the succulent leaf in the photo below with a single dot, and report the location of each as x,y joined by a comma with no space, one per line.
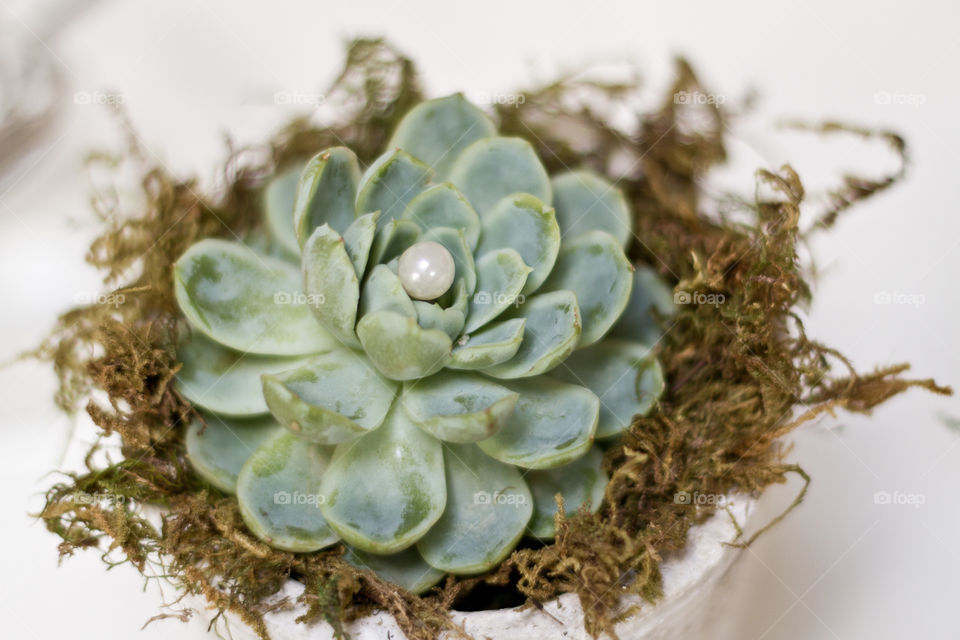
594,267
550,334
493,168
331,283
579,482
650,293
458,407
400,348
217,447
437,131
223,380
586,202
501,275
625,376
358,240
326,192
523,223
390,183
552,424
392,239
495,343
330,399
278,201
443,205
383,292
385,490
246,301
405,568
277,493
488,507
431,315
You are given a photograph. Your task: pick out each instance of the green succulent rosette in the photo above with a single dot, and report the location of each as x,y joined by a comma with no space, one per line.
429,436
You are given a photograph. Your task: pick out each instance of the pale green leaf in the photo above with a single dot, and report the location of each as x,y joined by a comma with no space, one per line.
594,267
458,407
400,348
385,490
278,494
552,424
246,301
330,399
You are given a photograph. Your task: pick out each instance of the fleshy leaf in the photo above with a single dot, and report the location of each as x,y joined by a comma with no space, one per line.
594,267
491,345
383,292
392,239
585,202
458,407
400,348
325,193
492,168
331,399
246,301
522,222
443,205
358,240
431,315
501,275
405,568
278,202
390,183
650,293
625,376
331,283
436,131
277,492
580,482
223,380
552,424
550,334
488,507
385,490
456,243
218,449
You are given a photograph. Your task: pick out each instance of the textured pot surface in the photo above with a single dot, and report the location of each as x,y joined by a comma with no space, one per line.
692,598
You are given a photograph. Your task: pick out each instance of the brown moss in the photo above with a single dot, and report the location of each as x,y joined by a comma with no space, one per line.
741,374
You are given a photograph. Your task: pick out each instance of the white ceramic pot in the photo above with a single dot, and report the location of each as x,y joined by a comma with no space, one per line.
692,597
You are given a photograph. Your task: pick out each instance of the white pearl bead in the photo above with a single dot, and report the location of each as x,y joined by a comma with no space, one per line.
426,270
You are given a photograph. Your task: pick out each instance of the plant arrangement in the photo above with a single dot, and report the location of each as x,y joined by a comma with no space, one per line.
442,289
429,357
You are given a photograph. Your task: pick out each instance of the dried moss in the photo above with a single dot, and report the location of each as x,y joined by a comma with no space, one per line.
742,374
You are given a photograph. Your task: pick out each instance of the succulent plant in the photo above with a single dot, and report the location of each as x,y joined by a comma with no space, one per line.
424,354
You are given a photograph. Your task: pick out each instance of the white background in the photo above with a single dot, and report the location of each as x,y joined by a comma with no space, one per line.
188,71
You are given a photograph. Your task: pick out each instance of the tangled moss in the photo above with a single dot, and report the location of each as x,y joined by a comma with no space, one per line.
741,374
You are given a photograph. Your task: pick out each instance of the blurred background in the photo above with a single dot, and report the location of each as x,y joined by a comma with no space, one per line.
875,549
